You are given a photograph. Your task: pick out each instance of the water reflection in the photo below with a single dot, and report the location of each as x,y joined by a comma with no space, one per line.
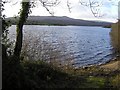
76,45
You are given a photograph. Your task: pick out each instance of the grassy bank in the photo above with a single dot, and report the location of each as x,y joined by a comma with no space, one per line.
39,74
112,65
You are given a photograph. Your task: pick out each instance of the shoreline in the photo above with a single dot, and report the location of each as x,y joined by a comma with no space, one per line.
112,64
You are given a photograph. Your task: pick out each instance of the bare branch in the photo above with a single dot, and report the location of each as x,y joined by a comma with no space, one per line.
83,3
52,13
50,3
15,3
92,8
69,6
6,1
93,5
47,4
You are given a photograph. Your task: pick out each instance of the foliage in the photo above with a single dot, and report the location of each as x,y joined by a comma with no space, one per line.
5,40
13,73
96,82
38,74
23,16
24,12
115,81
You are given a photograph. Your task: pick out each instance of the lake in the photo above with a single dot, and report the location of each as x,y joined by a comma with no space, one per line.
77,45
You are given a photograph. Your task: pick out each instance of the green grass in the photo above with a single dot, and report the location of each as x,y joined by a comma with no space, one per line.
96,82
115,81
39,74
47,76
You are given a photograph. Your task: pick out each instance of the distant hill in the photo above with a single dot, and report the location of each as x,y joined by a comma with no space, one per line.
55,20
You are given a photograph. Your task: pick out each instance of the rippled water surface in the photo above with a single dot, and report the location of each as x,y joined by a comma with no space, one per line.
80,45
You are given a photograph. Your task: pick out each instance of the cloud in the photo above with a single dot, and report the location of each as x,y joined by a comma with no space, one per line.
10,9
77,11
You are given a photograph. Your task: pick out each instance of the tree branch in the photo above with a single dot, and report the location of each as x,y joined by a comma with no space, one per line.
48,3
68,5
93,5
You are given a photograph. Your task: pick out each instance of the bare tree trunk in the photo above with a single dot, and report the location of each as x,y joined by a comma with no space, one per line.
23,17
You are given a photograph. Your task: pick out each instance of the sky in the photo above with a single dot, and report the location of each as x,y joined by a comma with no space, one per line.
108,9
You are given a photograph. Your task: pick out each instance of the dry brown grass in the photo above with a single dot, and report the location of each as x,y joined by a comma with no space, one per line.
112,66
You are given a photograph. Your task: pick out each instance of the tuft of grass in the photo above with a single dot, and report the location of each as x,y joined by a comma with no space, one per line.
44,75
95,82
115,81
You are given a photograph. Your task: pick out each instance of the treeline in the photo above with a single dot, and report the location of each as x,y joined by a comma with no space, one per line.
61,21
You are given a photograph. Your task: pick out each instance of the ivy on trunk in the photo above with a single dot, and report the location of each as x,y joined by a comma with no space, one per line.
23,17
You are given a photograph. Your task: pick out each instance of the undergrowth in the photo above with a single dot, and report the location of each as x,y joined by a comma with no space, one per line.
39,74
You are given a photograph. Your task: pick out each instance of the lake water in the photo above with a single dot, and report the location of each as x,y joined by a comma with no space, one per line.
79,45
